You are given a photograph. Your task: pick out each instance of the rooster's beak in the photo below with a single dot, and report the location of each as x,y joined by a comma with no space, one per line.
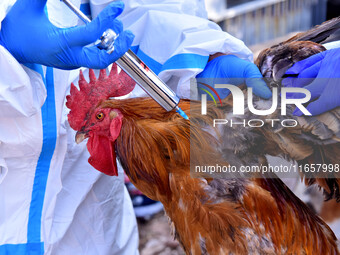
80,136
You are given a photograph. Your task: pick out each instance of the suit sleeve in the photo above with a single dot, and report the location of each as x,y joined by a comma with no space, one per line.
175,39
20,94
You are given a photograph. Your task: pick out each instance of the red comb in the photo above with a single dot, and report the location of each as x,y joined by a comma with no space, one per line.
82,101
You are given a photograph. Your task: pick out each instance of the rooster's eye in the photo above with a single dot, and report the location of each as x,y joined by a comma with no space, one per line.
100,116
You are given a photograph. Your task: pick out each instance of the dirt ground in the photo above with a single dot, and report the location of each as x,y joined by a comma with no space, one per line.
155,237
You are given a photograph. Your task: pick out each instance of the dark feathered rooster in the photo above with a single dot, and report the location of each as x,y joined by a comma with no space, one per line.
209,215
321,133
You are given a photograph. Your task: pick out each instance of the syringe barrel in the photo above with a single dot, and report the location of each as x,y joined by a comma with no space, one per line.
148,80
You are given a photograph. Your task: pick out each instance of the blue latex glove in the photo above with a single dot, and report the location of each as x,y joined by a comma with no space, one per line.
30,37
323,71
238,71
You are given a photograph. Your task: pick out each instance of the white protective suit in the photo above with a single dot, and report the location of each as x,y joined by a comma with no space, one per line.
51,200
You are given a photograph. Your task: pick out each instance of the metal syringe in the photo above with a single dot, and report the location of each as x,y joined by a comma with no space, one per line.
136,69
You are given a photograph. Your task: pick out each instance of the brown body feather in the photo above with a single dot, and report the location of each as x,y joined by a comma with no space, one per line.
211,216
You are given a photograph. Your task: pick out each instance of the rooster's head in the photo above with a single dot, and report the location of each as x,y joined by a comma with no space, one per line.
101,125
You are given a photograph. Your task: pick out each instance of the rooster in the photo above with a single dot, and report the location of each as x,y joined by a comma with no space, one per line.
322,129
231,215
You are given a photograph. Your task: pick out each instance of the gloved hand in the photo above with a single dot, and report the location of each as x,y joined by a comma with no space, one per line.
30,37
239,71
324,69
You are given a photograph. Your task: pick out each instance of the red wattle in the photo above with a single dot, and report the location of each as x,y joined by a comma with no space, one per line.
103,155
